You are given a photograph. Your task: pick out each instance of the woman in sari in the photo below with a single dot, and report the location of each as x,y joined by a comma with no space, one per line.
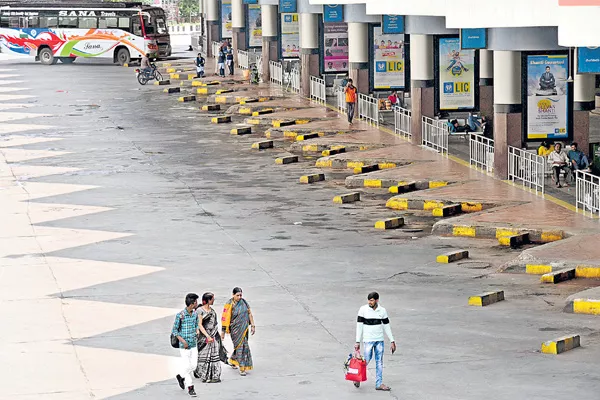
237,320
210,347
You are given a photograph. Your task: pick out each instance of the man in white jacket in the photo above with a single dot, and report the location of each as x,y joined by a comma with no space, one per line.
371,323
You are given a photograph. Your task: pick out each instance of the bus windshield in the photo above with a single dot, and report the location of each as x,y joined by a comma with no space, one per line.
154,23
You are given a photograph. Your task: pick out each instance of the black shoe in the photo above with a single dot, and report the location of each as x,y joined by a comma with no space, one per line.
196,375
192,392
181,381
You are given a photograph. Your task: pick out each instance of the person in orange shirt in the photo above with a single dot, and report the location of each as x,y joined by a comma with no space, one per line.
350,100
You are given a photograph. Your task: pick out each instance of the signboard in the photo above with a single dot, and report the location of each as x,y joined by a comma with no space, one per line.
288,6
335,40
456,75
588,60
226,22
254,26
290,35
579,2
473,38
250,1
547,104
388,60
333,13
393,24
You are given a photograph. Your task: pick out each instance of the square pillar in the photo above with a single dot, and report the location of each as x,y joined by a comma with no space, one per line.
270,52
581,130
486,97
422,104
507,132
309,65
359,73
212,35
238,42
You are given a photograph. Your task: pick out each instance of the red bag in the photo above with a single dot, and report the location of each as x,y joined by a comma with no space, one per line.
356,370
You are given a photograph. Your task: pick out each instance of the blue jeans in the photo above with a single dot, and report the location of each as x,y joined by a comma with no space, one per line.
377,349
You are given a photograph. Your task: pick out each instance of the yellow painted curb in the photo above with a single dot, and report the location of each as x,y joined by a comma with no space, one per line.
468,207
245,111
538,269
323,163
347,198
552,236
310,147
354,164
312,178
561,345
502,232
429,205
221,99
464,231
198,83
290,134
586,306
436,184
202,90
587,271
397,204
452,256
386,165
372,183
253,121
302,121
174,76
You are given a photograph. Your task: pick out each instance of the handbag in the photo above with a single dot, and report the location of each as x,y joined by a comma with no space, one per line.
174,340
356,368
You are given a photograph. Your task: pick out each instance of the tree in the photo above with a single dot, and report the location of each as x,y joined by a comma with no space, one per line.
188,9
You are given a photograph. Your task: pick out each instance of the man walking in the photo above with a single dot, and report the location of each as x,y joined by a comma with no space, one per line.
350,91
371,323
185,328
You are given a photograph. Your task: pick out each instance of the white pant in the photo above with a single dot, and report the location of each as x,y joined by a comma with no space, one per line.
189,361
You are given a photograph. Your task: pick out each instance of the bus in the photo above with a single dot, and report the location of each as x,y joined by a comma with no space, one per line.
63,31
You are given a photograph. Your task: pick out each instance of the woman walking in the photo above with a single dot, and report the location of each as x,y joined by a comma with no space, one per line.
237,320
210,347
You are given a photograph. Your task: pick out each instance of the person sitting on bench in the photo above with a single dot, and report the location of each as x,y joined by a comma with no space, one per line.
560,162
455,127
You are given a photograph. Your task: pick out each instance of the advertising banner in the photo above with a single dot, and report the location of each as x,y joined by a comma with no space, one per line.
254,26
388,59
579,2
547,103
456,75
588,60
250,2
333,13
473,38
290,35
335,37
393,24
226,23
288,6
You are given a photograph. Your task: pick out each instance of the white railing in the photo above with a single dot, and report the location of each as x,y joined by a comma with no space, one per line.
435,134
317,90
259,67
294,83
341,100
402,121
243,59
587,193
526,167
368,109
276,72
481,152
215,46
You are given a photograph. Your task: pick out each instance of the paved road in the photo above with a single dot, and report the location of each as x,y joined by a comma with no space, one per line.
144,201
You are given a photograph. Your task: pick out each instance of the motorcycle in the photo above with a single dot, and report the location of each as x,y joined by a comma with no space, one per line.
254,75
144,77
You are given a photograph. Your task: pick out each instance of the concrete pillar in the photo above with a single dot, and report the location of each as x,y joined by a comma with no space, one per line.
422,83
584,93
486,83
507,108
238,14
270,49
358,55
309,50
212,24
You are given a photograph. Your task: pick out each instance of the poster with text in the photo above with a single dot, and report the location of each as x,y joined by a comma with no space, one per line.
457,75
388,59
290,35
254,26
335,36
547,103
226,22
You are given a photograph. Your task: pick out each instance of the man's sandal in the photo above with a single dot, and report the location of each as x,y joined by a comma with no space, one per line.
384,388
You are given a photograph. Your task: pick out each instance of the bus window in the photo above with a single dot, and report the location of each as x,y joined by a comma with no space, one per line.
161,27
88,22
13,22
34,22
4,21
48,22
148,27
137,28
67,22
124,23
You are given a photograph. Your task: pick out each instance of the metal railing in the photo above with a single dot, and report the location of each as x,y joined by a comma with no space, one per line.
259,67
481,152
587,197
402,121
368,109
276,72
341,100
317,90
215,46
435,134
527,168
243,59
294,83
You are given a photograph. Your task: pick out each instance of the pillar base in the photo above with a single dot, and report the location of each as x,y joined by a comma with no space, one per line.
212,35
507,132
422,104
270,52
238,42
309,65
581,130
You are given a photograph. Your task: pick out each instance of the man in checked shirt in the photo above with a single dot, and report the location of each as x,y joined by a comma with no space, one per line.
186,329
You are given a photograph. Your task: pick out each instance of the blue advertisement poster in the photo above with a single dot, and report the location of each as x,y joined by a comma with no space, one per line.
588,60
333,13
393,24
250,1
226,21
288,6
473,38
456,75
547,104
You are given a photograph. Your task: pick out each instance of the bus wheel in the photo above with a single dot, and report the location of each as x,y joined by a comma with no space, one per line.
123,56
46,56
67,60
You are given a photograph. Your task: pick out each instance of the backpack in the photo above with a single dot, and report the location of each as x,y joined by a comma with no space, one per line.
174,340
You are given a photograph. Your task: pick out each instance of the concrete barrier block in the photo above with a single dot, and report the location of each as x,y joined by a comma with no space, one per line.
286,160
247,130
538,269
446,211
211,107
403,188
347,198
452,256
586,306
306,136
221,120
248,101
281,123
185,99
312,178
265,144
262,112
390,223
365,169
223,91
485,299
558,276
332,152
561,345
515,240
172,90
162,83
468,207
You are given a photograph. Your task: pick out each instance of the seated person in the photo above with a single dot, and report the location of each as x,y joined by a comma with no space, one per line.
486,127
559,161
545,149
455,127
394,99
577,159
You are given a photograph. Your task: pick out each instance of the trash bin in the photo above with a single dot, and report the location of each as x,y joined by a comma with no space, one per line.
246,74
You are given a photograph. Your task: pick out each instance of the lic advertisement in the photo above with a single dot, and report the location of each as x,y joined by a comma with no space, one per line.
290,36
457,75
226,22
547,104
254,26
335,37
388,57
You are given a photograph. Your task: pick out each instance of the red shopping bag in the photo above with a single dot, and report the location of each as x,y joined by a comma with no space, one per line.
356,370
